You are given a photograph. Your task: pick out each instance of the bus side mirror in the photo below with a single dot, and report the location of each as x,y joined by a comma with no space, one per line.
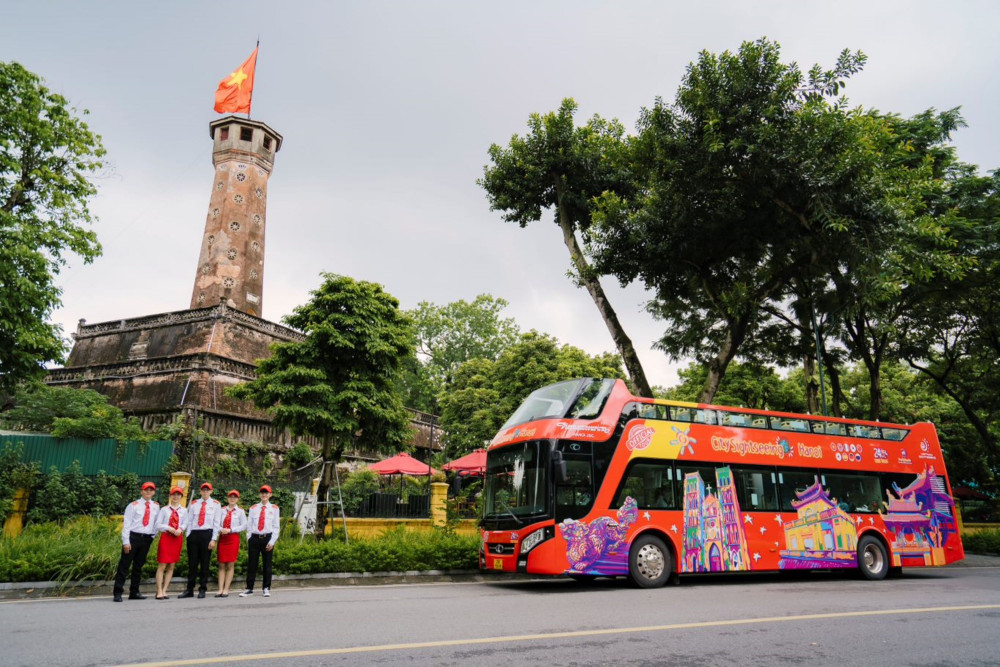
559,467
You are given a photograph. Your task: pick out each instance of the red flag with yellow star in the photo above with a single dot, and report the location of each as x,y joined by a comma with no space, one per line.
236,90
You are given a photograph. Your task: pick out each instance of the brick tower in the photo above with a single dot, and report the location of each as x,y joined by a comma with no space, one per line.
231,263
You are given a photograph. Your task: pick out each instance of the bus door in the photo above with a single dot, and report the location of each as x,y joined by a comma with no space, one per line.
575,493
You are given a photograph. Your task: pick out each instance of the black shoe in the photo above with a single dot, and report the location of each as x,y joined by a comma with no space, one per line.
117,598
201,594
186,594
136,596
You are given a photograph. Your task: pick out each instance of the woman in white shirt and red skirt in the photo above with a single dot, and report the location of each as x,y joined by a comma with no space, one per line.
171,522
232,521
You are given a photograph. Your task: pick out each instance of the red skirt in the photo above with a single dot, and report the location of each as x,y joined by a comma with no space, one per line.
169,548
228,547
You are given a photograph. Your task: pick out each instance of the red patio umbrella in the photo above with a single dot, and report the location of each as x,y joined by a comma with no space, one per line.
470,464
401,464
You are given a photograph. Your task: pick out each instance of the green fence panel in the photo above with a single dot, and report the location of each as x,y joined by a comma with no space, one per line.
94,455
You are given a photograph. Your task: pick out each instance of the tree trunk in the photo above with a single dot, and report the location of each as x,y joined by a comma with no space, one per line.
324,486
587,278
836,392
717,367
812,386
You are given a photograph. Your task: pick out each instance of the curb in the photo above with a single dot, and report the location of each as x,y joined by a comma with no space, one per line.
55,589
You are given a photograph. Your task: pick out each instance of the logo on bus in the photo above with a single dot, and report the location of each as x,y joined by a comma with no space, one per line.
640,438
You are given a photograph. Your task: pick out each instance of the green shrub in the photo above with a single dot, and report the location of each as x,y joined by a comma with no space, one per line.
356,487
985,541
88,549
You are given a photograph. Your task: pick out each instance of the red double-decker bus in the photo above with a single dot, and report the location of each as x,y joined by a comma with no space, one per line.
587,480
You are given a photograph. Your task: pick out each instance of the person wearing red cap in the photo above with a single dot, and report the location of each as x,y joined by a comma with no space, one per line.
201,537
138,531
171,522
263,526
230,523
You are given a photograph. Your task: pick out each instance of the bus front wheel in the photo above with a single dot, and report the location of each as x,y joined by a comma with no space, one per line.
649,562
873,560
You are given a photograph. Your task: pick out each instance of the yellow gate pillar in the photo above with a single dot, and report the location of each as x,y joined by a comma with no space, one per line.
439,497
183,480
14,524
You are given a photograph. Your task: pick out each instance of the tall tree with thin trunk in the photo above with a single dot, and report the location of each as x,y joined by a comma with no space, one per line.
562,167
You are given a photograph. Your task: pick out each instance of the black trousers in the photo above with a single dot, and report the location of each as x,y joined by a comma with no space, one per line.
199,556
255,547
135,559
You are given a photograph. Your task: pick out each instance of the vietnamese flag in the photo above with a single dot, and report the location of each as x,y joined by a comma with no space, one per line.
236,90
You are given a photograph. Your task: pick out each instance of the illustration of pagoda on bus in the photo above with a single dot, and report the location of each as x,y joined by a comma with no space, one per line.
823,535
920,517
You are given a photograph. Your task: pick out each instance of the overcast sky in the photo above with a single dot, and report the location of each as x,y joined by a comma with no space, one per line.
387,110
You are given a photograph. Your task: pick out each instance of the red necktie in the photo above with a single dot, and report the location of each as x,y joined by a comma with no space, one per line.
175,520
228,521
201,514
145,516
260,521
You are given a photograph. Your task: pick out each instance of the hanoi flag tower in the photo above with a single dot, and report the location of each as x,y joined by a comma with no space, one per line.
231,262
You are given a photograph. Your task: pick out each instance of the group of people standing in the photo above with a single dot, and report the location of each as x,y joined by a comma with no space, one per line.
207,526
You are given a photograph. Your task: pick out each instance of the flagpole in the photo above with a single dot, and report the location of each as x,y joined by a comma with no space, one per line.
257,49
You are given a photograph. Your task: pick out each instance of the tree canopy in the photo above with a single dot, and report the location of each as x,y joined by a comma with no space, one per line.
562,167
47,156
339,383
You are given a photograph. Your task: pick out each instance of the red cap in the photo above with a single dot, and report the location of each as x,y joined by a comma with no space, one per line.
266,488
178,490
234,492
206,485
148,485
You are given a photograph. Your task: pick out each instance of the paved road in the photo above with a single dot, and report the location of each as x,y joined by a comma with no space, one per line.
928,617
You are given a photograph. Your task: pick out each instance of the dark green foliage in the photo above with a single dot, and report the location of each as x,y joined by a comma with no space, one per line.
985,541
70,413
15,474
70,494
356,487
46,156
88,549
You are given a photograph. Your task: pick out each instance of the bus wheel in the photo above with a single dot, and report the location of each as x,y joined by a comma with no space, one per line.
649,562
873,561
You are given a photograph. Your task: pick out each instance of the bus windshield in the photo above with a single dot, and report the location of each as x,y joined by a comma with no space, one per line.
516,485
578,399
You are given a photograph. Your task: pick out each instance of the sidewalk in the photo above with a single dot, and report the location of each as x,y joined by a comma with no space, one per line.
51,589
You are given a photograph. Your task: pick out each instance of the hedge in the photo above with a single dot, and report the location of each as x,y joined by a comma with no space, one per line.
87,548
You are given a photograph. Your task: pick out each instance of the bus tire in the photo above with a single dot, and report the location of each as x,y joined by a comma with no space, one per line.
873,561
649,562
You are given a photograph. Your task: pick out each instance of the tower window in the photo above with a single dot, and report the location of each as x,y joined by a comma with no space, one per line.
246,134
267,143
224,134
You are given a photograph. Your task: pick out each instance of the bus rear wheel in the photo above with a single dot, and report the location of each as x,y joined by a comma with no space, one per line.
873,561
649,562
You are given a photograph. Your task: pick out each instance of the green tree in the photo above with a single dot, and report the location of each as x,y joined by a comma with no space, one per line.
450,335
563,167
744,385
339,383
483,394
70,413
46,156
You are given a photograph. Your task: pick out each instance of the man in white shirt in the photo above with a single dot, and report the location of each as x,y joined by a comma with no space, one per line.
263,526
138,531
202,535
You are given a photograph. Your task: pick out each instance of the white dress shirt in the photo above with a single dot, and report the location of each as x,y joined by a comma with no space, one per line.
163,518
237,524
272,521
212,508
132,520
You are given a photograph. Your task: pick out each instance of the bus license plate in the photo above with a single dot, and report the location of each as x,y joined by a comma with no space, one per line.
497,564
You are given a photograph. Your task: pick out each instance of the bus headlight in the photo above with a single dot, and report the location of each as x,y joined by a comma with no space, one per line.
535,538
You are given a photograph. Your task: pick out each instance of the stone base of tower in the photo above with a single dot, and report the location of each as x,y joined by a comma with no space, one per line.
163,366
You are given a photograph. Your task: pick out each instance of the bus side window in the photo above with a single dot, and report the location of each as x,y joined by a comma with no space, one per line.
681,414
835,428
896,434
650,483
817,427
705,417
791,482
757,489
854,492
